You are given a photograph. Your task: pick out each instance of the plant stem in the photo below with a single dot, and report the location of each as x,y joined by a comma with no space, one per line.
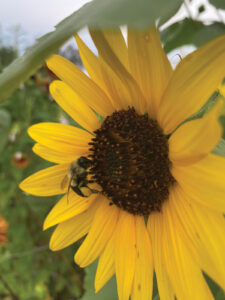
14,297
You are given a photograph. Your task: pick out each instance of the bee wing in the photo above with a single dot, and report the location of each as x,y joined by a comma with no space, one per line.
64,182
68,190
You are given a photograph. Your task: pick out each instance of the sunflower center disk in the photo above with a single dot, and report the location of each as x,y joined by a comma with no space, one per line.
130,162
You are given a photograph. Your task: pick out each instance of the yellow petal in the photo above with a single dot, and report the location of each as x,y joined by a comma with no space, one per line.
73,105
103,226
46,182
106,265
156,230
143,276
54,155
149,65
205,230
91,63
116,41
204,181
68,232
101,73
118,91
61,137
222,89
195,139
82,85
193,82
108,55
185,275
125,254
67,207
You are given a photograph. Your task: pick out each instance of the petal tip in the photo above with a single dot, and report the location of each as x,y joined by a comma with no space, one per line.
50,60
97,288
78,260
52,246
45,225
29,130
23,185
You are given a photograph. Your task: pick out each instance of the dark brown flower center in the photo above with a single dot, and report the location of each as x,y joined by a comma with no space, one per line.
130,162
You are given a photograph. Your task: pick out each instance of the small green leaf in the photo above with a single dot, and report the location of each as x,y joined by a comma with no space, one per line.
218,3
207,33
201,9
220,148
179,34
190,32
217,292
96,14
109,291
5,121
222,121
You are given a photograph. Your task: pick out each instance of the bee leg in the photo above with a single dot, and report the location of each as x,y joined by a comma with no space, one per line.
94,191
77,190
90,181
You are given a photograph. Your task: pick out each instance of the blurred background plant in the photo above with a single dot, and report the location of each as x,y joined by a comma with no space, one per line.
28,269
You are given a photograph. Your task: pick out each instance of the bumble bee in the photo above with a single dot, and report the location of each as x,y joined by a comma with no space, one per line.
76,178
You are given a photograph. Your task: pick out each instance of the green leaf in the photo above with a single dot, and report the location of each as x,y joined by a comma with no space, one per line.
190,32
220,148
207,33
96,14
5,122
109,291
222,121
217,292
155,294
201,9
218,3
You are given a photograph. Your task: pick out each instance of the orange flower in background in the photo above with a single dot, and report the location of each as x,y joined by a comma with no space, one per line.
3,230
20,160
136,162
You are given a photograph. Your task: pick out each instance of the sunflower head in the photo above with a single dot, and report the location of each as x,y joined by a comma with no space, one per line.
143,160
130,162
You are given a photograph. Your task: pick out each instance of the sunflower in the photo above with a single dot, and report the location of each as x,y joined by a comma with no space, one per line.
152,196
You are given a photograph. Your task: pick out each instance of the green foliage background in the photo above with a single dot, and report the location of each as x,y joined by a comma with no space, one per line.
28,269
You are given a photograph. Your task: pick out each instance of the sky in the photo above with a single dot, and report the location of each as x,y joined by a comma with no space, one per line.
33,18
23,21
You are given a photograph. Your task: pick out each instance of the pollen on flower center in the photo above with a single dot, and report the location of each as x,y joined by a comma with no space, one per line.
130,162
